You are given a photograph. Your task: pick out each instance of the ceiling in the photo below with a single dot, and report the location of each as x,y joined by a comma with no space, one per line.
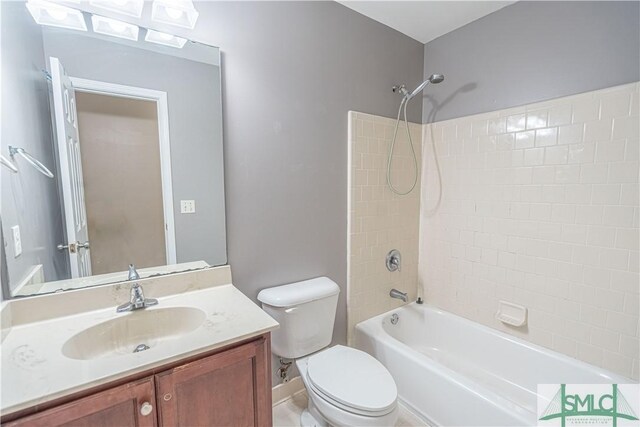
425,20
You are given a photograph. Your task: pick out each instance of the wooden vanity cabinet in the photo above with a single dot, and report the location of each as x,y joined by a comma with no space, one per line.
118,406
229,388
226,389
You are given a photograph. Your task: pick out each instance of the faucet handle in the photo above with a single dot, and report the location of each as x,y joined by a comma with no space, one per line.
133,273
393,260
137,300
127,306
150,301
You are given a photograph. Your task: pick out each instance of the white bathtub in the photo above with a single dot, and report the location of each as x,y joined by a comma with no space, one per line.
455,372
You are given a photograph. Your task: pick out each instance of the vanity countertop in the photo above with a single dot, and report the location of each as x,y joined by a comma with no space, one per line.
34,369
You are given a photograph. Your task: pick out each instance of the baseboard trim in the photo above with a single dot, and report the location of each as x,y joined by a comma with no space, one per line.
284,391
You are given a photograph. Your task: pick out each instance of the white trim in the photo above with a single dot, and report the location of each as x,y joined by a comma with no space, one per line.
104,88
285,391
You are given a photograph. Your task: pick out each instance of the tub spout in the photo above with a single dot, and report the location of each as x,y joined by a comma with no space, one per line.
399,295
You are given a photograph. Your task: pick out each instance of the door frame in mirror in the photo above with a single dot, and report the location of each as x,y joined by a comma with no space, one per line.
160,98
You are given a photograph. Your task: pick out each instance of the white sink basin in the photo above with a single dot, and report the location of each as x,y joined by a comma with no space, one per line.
146,328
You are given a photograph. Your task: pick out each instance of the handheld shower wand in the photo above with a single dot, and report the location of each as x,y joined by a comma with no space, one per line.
433,79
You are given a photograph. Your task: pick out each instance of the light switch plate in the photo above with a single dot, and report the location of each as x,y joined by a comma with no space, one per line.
187,206
17,241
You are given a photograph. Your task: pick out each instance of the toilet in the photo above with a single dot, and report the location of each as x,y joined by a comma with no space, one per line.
346,387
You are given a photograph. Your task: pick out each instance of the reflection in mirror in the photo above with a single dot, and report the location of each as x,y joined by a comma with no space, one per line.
130,133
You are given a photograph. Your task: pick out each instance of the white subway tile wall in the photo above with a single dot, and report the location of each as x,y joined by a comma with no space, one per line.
378,219
540,207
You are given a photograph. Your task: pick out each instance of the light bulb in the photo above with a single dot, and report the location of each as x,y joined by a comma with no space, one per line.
174,13
58,14
165,36
115,28
180,13
47,13
164,39
126,7
118,27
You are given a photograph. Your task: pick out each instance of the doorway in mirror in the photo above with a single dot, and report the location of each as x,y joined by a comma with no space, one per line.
124,197
117,190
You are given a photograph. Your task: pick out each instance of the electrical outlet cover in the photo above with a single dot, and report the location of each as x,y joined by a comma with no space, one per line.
187,206
17,241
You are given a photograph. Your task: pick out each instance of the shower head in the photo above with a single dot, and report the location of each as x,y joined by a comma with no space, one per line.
434,79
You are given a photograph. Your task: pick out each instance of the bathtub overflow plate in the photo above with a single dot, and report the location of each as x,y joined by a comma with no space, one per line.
394,318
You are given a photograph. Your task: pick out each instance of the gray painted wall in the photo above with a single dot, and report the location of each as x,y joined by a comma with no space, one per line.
29,199
532,51
292,71
195,133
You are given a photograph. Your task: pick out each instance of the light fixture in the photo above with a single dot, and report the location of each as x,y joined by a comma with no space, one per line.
180,13
115,28
164,39
55,15
126,7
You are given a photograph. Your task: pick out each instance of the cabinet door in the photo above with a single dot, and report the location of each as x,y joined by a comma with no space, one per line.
130,404
232,388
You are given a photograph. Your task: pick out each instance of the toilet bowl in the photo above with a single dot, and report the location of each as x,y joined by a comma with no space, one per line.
346,387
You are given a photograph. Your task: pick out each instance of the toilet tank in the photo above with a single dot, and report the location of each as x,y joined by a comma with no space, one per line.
306,312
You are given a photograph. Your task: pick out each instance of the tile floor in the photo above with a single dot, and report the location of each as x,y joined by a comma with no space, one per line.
287,413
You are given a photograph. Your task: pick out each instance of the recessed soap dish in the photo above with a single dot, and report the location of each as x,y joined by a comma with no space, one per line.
511,314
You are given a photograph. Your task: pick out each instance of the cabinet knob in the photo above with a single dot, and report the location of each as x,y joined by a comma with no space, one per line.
167,397
146,409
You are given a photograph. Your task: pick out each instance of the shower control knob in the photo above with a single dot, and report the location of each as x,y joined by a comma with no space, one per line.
393,260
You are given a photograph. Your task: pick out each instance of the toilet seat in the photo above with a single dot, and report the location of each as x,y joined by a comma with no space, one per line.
352,380
338,405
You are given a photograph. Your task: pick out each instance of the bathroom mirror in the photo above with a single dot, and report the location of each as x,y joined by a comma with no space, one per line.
111,143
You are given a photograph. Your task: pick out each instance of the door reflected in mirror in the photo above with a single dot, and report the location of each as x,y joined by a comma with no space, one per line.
131,134
122,149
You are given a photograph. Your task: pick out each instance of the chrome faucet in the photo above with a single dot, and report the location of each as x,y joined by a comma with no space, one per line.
399,295
133,273
137,300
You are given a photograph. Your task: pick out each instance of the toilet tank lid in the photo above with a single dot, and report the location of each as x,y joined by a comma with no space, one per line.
299,292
